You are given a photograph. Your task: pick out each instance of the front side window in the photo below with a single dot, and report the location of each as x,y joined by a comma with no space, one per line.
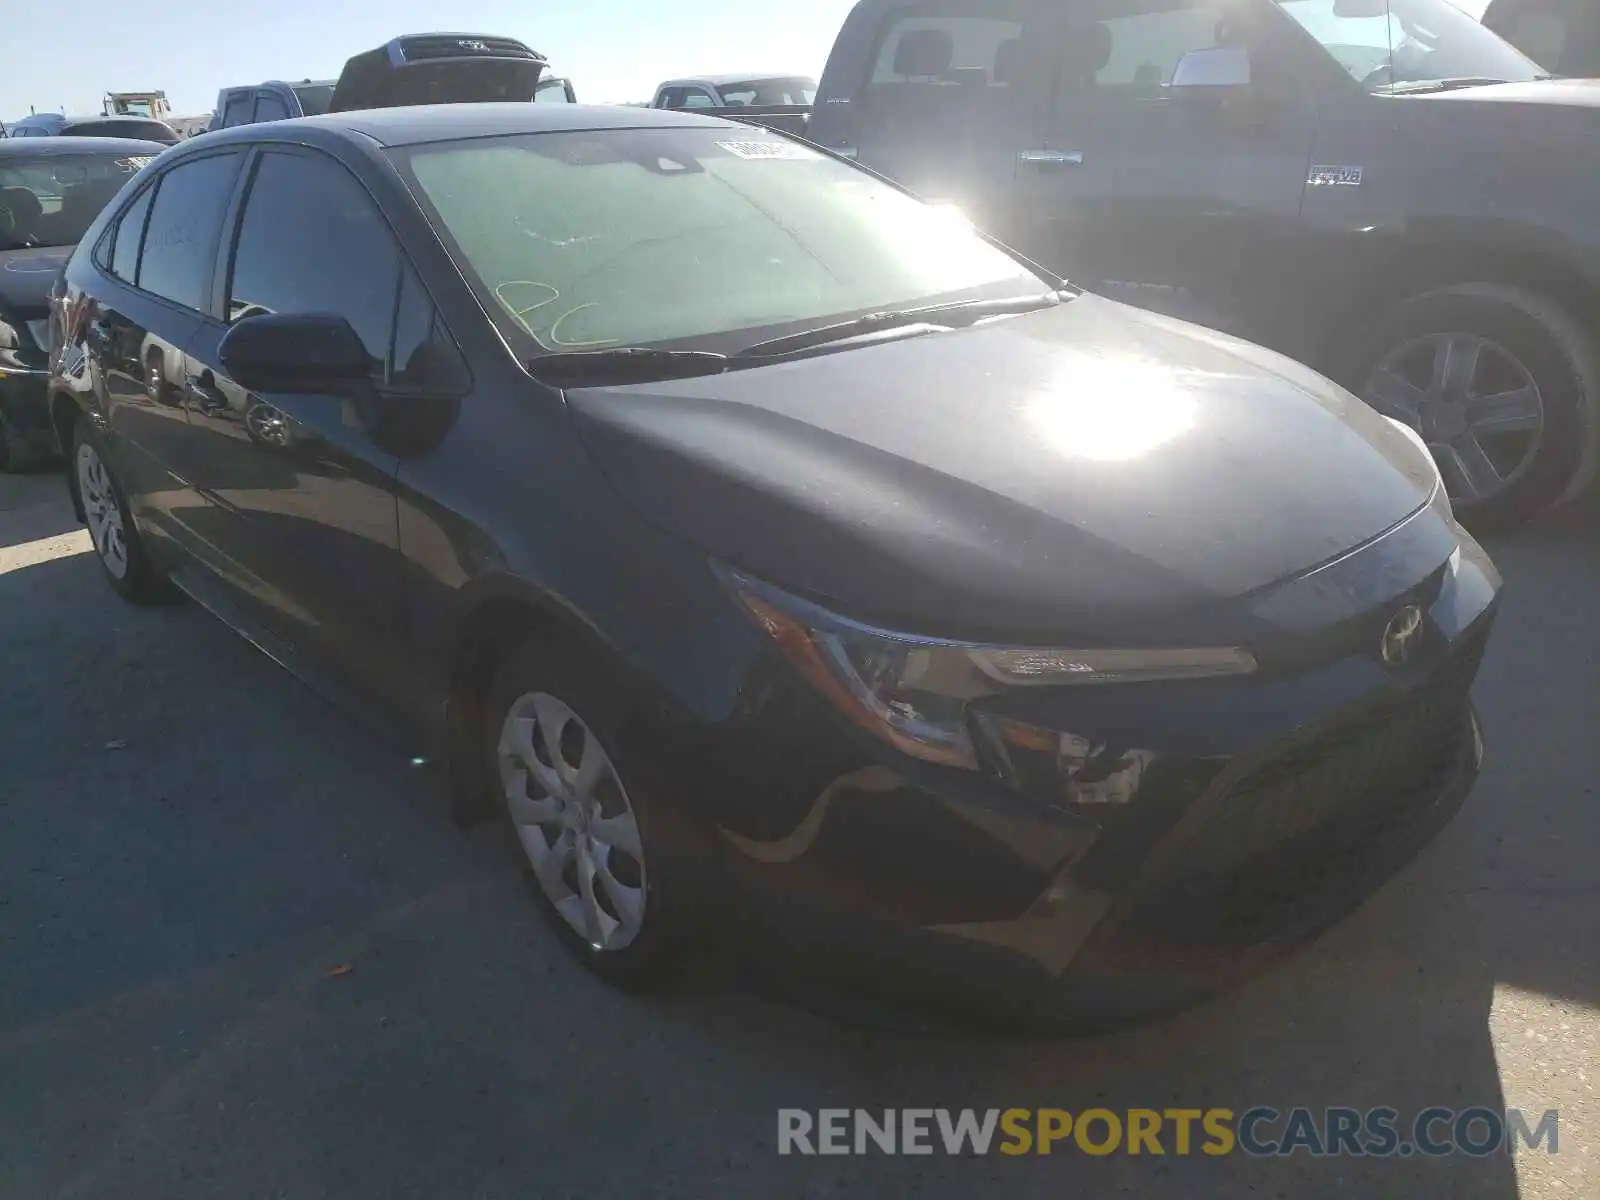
769,91
587,240
947,50
238,109
1142,49
695,98
311,240
1409,45
51,200
180,240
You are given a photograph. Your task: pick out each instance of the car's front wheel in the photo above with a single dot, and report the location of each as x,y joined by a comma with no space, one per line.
576,797
1503,385
116,539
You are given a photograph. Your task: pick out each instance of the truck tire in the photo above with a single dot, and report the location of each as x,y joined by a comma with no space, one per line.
1502,383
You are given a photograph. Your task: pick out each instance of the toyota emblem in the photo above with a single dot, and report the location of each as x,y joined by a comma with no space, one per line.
1403,634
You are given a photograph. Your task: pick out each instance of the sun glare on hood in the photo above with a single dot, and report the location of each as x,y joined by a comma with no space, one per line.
1115,409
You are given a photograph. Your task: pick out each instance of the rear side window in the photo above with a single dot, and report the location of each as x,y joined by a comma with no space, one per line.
298,201
130,236
180,239
1143,49
938,50
237,111
270,108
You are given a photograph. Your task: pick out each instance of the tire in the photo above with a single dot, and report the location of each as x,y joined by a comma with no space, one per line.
543,685
1536,443
118,546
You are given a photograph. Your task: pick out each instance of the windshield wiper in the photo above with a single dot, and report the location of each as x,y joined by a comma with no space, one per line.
970,312
624,364
1415,86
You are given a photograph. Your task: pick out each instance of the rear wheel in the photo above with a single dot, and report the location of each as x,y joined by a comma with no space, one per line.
116,539
1502,384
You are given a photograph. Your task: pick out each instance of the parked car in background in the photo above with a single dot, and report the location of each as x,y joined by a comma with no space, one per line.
50,190
141,129
441,68
751,534
1560,35
781,102
1384,189
274,100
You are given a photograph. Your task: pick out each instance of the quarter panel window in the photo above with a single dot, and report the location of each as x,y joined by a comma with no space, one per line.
948,50
312,240
180,239
130,235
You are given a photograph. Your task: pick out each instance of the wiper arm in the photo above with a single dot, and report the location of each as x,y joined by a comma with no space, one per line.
624,364
1443,85
970,312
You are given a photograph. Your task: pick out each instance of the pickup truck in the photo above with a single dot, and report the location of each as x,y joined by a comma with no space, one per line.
1383,189
781,102
1561,35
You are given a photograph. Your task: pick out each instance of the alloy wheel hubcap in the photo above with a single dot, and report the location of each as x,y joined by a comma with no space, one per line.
1472,401
574,820
103,512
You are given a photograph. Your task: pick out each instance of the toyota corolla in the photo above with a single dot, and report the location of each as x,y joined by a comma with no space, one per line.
750,533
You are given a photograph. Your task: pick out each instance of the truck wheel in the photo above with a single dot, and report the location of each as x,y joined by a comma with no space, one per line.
1503,385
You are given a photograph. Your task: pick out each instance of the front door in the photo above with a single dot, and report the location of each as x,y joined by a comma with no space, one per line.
1177,199
302,491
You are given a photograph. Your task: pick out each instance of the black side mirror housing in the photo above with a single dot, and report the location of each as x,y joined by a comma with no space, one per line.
295,352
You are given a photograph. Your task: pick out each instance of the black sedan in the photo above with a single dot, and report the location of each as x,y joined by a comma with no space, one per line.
752,534
50,189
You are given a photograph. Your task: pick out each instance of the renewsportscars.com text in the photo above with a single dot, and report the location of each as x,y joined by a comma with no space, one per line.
1259,1132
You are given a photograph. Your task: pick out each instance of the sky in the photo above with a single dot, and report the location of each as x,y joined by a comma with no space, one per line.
613,50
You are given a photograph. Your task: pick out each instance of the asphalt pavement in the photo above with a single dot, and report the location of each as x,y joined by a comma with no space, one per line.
244,953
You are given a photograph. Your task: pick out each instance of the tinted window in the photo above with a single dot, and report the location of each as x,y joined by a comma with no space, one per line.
238,110
311,240
130,234
1144,49
270,108
424,357
945,50
638,236
181,239
314,98
52,199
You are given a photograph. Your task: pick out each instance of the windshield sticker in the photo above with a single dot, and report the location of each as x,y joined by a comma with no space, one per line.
775,150
137,164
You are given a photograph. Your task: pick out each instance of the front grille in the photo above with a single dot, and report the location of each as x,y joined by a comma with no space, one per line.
1260,853
424,49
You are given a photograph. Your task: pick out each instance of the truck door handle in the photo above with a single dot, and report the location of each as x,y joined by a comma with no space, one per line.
1052,158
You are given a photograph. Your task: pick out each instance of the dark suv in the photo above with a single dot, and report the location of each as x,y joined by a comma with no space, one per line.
1382,188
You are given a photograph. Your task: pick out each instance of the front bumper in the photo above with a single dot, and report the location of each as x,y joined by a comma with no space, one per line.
1254,814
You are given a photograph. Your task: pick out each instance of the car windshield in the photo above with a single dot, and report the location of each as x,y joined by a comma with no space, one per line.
694,238
50,200
769,91
1408,45
314,97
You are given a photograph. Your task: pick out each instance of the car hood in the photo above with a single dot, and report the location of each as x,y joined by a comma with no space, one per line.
1078,470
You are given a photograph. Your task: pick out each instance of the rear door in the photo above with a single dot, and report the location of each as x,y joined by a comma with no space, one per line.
155,273
942,101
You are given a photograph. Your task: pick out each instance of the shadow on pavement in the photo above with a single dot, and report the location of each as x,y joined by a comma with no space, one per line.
175,916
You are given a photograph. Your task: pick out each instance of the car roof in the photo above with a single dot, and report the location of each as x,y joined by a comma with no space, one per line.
114,118
451,122
110,147
745,77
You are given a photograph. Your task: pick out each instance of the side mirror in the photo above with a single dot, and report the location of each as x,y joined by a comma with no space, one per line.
1201,72
294,352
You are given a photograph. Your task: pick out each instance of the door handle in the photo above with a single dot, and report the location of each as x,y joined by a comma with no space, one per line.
1052,158
204,394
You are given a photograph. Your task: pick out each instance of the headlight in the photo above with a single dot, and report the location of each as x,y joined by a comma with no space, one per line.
913,692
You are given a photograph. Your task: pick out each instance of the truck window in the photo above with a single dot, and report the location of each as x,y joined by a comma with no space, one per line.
1144,47
945,51
269,107
237,111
